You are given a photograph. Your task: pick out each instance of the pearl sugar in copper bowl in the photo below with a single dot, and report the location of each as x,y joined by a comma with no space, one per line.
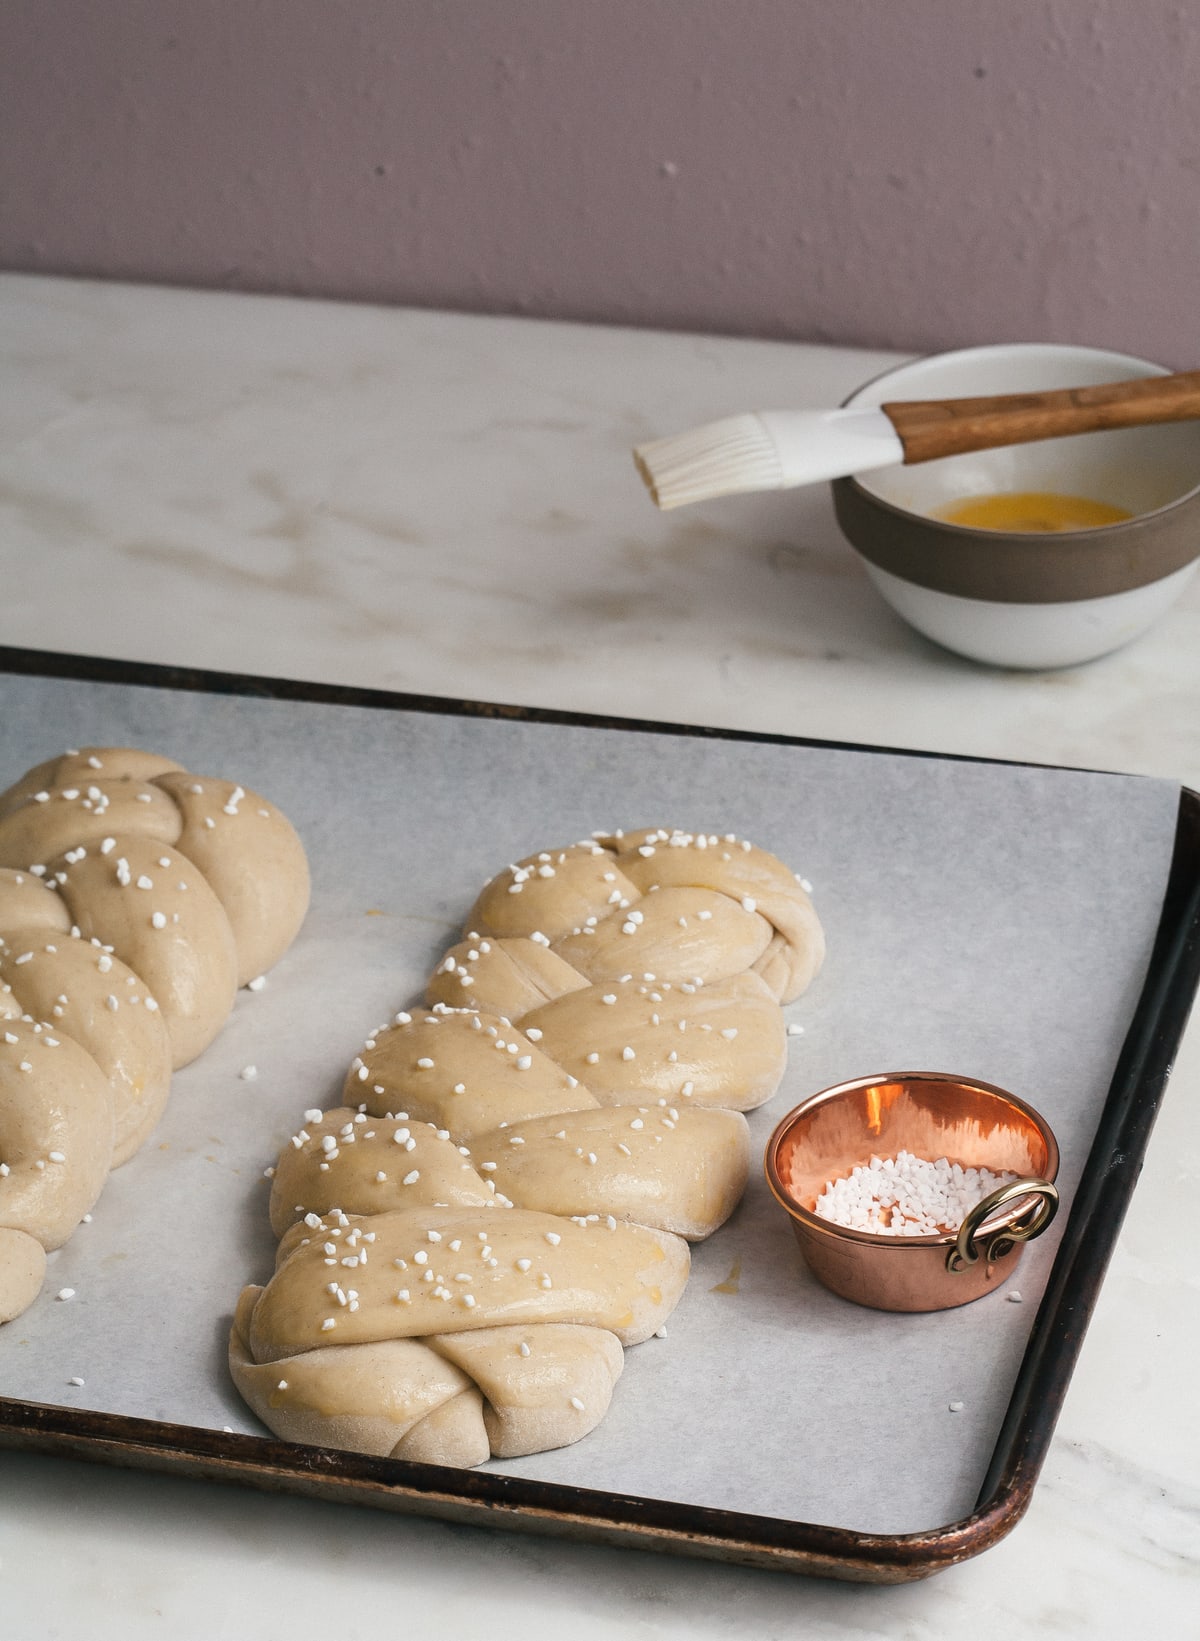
930,1116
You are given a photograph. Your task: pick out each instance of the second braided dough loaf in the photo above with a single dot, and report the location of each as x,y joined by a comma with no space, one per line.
504,1199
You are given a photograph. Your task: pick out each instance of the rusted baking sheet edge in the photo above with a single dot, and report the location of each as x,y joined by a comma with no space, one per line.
480,1499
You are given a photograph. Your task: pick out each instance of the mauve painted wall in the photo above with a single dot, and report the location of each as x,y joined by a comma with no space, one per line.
915,173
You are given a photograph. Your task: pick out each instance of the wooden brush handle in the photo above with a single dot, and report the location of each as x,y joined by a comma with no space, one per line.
929,428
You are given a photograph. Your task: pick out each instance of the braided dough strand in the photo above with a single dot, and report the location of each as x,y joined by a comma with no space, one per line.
164,922
625,1278
501,976
461,1071
56,1130
92,997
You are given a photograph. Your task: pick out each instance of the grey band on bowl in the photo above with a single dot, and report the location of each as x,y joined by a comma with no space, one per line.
1006,567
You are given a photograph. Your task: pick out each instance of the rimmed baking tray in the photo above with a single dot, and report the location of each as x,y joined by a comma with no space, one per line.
1042,924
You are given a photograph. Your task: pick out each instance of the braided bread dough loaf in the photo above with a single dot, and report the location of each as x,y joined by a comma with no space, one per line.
134,899
504,1198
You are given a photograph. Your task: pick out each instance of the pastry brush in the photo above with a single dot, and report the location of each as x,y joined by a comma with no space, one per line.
781,449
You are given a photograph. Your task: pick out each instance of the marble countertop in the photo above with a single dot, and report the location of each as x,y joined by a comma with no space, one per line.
445,504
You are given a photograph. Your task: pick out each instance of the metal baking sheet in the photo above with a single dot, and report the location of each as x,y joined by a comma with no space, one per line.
994,920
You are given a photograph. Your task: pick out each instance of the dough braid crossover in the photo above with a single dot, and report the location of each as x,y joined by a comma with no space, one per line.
505,1197
135,899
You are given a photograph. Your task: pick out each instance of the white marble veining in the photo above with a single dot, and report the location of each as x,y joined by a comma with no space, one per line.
446,504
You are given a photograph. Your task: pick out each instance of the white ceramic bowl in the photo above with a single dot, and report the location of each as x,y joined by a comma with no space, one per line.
1021,600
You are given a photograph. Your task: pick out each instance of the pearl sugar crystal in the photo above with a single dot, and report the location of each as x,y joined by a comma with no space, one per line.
907,1196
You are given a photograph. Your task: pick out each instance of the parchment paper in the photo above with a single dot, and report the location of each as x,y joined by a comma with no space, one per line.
987,920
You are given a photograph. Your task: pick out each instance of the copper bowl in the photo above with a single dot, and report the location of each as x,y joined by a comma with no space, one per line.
931,1115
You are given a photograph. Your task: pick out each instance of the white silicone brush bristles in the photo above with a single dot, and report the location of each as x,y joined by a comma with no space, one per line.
718,459
766,450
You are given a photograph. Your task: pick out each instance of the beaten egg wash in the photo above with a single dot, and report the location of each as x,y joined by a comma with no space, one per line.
1031,511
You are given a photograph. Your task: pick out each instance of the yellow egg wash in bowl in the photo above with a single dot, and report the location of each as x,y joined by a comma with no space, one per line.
1031,511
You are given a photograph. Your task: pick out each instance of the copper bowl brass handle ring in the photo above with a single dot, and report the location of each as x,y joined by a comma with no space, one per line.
965,1252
